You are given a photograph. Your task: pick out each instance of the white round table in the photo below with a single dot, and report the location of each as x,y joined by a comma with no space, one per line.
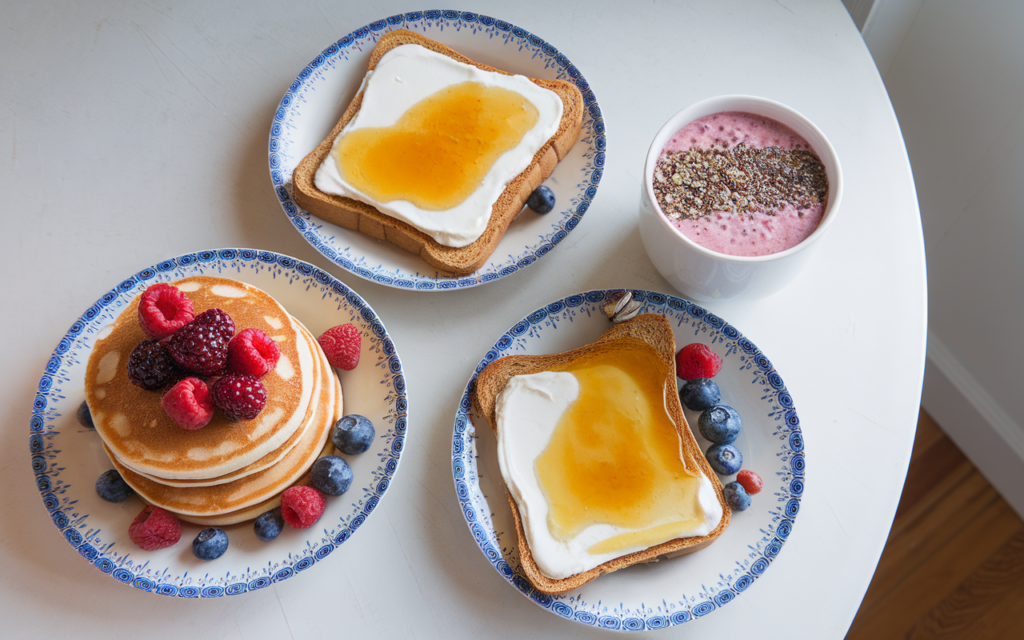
134,132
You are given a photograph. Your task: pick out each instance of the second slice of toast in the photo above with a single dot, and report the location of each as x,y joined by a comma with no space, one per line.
655,331
359,216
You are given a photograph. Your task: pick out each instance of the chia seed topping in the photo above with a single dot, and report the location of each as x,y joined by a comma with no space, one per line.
698,182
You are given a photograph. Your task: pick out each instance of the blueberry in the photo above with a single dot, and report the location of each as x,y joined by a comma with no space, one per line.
736,496
85,416
725,459
700,394
352,434
331,475
210,544
111,487
542,200
269,525
720,424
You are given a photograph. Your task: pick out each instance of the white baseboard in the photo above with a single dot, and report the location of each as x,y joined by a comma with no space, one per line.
988,436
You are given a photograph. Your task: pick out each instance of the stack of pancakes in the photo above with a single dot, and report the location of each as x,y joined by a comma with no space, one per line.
228,471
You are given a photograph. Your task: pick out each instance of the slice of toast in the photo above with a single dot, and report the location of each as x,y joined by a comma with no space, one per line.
359,216
656,332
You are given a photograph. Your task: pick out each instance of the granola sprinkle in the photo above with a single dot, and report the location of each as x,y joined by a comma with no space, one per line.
697,182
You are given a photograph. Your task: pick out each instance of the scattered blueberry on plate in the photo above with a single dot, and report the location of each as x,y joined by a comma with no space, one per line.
111,487
210,544
736,496
269,525
700,394
353,434
331,475
542,200
720,424
85,416
725,459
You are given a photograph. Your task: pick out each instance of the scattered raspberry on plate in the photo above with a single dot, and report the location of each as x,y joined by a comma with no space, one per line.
341,345
301,506
697,361
154,529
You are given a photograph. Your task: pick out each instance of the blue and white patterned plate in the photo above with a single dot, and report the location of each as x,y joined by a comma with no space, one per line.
67,458
315,101
669,592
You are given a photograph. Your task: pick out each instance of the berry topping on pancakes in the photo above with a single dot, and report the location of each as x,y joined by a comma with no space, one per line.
163,309
252,353
240,397
189,403
201,346
151,367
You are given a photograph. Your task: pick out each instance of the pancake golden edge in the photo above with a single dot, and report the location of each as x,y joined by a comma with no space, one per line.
131,422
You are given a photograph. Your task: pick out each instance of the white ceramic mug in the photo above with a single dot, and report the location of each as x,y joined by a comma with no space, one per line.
704,275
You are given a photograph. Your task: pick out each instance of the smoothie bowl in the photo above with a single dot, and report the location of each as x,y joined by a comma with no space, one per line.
737,191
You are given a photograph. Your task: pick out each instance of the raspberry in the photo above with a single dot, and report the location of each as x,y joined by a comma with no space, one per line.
697,361
154,529
151,367
241,397
252,352
301,506
749,481
201,346
341,345
189,403
163,309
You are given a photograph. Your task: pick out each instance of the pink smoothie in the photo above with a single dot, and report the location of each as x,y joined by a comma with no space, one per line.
741,184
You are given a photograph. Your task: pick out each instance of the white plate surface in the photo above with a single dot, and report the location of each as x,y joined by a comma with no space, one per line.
669,592
67,458
318,97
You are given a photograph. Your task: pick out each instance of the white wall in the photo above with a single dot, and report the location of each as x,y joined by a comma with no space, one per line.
955,73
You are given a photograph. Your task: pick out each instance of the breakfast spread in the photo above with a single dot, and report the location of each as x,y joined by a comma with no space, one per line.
601,469
741,184
437,154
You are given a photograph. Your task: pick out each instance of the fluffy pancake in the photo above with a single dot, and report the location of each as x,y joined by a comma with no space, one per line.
320,370
142,437
257,488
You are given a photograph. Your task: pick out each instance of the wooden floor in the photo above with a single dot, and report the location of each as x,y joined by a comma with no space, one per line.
953,566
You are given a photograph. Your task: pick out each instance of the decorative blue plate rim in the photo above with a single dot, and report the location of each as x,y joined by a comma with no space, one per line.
787,480
52,413
569,215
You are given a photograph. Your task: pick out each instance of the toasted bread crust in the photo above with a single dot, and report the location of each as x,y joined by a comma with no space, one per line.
359,216
655,331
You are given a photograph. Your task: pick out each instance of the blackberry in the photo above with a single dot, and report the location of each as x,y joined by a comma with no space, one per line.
201,346
239,396
151,367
